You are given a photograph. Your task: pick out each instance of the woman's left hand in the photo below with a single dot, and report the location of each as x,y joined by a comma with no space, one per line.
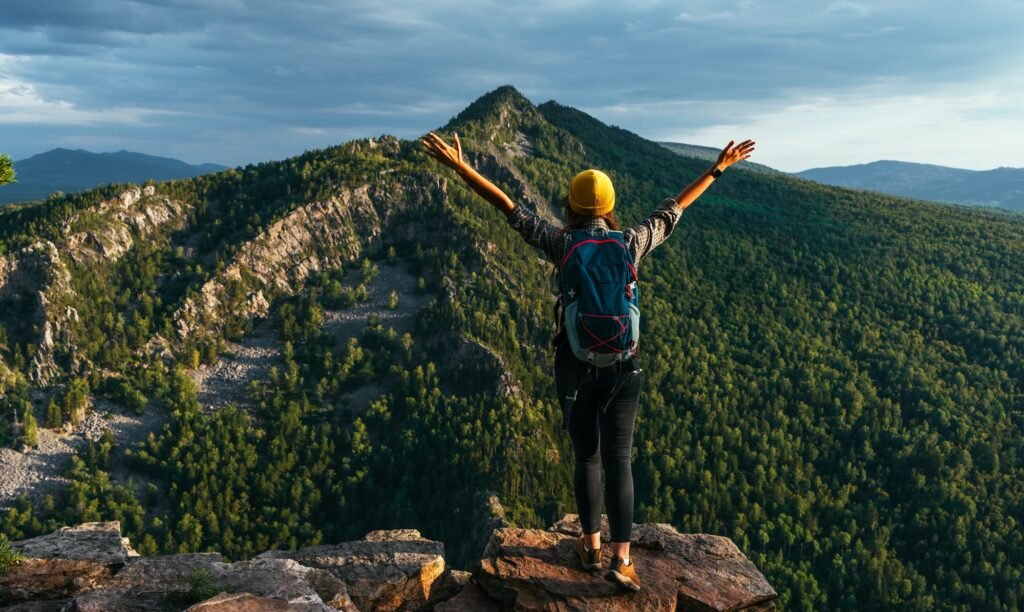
730,155
442,152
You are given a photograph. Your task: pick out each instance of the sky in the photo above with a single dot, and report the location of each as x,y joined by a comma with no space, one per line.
815,83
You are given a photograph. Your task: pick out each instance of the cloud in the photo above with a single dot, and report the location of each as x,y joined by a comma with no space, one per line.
844,7
257,79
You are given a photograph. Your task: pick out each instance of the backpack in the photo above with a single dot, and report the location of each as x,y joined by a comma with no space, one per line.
600,297
600,302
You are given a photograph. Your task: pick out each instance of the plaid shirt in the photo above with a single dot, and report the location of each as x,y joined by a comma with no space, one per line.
640,240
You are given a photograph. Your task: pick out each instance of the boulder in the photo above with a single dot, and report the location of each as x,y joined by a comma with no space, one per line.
531,569
386,570
65,562
159,584
284,580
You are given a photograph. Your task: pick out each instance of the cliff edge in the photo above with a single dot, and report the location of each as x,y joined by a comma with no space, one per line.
91,567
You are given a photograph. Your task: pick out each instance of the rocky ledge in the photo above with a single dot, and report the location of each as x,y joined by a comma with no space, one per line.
92,567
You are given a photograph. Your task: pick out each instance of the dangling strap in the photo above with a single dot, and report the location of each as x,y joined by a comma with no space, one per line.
619,379
574,385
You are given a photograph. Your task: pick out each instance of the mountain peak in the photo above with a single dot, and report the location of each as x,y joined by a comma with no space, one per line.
504,107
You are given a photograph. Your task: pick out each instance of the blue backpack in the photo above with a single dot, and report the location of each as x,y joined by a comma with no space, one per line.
600,299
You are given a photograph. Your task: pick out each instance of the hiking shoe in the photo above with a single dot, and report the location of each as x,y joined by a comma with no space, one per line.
591,559
622,574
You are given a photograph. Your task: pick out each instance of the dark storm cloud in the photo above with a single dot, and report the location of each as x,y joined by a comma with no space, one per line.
247,80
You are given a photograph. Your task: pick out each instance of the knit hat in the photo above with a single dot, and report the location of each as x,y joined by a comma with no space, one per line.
591,193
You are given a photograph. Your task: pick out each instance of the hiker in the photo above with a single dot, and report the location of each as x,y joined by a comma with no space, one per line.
600,402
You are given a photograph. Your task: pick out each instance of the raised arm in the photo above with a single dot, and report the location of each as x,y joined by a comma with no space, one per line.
729,156
452,157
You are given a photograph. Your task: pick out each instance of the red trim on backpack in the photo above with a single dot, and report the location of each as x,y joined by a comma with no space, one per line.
596,337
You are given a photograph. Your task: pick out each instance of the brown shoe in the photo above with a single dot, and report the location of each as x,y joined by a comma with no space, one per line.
622,574
591,559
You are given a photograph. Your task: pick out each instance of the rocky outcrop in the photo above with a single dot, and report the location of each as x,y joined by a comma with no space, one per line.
91,567
317,236
386,570
65,562
113,227
40,273
37,277
529,569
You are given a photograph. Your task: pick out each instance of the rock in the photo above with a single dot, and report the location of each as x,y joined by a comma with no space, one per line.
469,599
158,584
65,562
530,569
387,570
316,236
521,569
285,580
248,602
45,605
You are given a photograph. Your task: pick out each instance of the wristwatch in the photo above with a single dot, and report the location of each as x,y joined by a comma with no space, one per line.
715,172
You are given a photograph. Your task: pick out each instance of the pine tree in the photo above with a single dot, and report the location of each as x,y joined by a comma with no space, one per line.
6,169
31,433
54,417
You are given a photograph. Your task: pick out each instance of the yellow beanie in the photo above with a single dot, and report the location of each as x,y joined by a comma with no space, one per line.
591,193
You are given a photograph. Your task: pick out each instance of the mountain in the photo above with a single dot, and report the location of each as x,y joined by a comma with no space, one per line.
74,170
300,352
711,154
1003,187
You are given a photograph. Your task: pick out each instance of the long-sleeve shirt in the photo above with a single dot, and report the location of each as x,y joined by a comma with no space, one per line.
640,239
549,238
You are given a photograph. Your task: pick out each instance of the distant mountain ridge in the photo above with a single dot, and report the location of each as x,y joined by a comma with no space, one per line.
711,154
74,170
1003,187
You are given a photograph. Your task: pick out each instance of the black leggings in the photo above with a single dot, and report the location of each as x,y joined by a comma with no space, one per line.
601,439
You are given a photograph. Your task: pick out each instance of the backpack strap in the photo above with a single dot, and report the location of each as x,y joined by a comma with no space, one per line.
619,379
574,383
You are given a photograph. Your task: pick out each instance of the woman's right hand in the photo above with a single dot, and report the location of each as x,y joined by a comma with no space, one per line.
442,152
730,155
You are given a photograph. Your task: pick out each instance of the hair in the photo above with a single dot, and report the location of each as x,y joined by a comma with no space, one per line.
574,219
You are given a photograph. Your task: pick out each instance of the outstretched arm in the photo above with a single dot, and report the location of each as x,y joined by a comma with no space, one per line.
729,156
452,157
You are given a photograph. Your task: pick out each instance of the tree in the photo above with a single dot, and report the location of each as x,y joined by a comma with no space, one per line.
6,169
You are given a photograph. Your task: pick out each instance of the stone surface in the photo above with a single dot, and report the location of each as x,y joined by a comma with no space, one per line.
521,569
45,605
248,602
528,569
387,570
283,579
64,562
156,584
469,599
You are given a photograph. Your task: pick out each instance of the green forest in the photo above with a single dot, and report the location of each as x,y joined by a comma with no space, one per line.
833,378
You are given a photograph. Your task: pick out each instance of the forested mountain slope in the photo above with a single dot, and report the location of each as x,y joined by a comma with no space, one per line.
834,378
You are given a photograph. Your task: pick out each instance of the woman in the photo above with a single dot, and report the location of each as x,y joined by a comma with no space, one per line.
599,437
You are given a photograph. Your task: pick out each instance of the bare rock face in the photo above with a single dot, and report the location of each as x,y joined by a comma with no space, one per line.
65,562
41,271
313,237
386,570
529,569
